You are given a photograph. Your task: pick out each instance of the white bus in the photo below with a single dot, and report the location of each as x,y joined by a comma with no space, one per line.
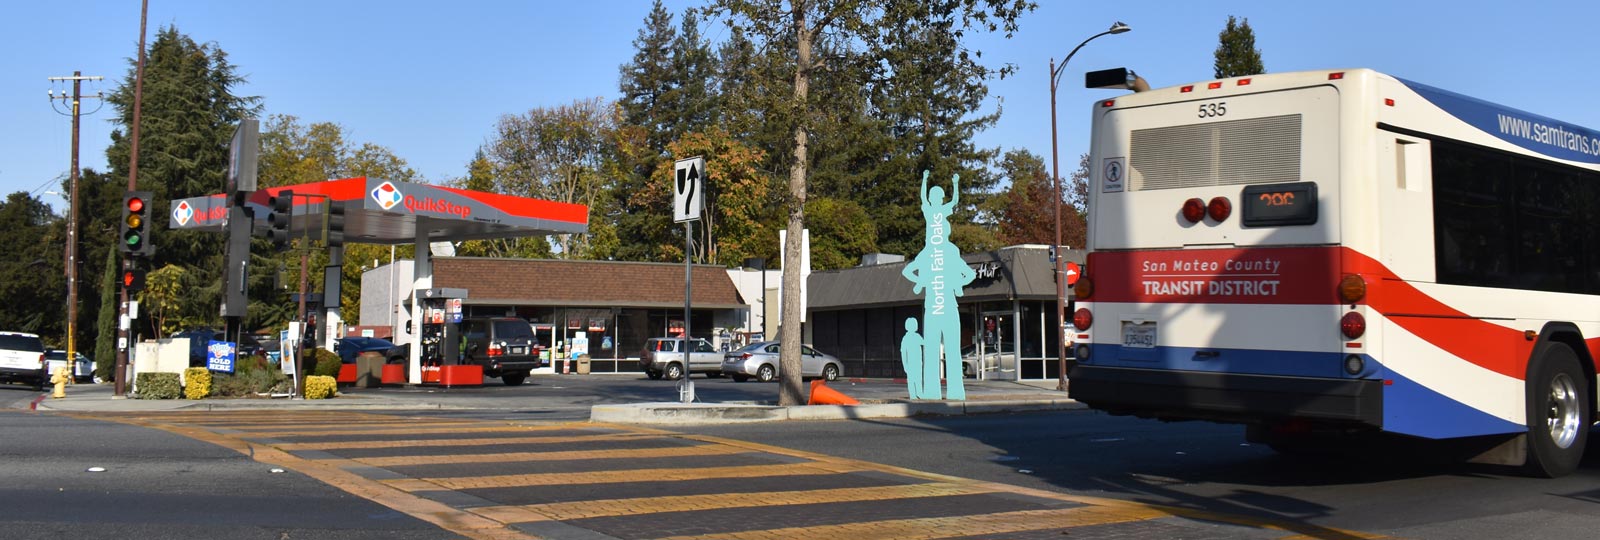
1344,253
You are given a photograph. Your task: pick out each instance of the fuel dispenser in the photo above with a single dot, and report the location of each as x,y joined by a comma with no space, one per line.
440,331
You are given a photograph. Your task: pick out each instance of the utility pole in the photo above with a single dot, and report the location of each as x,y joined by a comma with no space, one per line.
120,374
76,99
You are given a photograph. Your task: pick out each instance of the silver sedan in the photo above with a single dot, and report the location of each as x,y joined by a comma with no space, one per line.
760,360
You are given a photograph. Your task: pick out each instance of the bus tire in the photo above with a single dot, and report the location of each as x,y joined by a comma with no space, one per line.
1558,413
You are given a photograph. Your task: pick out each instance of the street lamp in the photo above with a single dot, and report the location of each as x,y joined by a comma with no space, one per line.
1055,175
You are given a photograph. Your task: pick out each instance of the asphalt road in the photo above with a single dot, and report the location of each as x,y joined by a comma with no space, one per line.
159,485
163,485
1209,466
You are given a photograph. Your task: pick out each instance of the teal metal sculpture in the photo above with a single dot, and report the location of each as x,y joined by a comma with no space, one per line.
939,274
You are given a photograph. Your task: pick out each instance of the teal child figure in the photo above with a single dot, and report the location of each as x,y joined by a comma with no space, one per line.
911,359
939,271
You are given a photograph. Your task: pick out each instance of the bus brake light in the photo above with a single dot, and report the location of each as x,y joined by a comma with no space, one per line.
1194,210
1353,325
1082,319
1219,209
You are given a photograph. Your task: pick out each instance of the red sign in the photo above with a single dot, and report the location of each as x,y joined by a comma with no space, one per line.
1218,276
1072,273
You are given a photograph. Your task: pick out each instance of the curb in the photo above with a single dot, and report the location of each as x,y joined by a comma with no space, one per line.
723,413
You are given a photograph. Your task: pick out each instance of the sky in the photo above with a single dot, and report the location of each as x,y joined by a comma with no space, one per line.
429,79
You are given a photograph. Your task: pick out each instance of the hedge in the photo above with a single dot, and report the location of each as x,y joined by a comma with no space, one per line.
158,386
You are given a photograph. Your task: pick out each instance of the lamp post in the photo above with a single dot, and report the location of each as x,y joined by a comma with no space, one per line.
1055,175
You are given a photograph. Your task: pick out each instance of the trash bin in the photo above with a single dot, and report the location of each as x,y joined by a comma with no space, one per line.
369,370
583,364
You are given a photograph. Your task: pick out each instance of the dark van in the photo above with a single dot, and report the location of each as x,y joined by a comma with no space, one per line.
504,346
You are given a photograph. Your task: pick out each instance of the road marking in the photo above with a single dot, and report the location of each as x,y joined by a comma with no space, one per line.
688,503
666,452
490,522
633,475
347,445
952,526
388,430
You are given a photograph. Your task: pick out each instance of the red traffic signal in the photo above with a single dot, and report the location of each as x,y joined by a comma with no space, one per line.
136,224
133,280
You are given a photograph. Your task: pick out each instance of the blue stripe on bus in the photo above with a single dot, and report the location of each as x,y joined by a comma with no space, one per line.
1536,133
1409,408
1413,409
1250,361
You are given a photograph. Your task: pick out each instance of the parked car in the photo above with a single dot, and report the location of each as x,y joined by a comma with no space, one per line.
22,359
663,358
760,360
82,369
504,346
991,359
351,347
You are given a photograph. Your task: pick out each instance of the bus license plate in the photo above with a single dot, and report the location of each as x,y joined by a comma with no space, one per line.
1139,336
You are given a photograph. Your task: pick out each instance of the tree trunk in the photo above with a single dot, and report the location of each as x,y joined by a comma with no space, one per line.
790,391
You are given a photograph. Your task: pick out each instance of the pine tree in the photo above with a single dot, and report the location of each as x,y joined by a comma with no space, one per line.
188,116
105,343
1237,55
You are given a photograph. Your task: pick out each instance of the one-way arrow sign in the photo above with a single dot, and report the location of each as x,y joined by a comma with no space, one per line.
688,191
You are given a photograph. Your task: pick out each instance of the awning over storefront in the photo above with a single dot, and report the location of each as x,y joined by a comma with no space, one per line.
552,282
1018,272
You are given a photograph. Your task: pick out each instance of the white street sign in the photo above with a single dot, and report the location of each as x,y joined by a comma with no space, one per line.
688,189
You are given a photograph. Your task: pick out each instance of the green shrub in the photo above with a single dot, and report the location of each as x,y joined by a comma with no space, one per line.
328,364
196,383
321,387
246,382
158,386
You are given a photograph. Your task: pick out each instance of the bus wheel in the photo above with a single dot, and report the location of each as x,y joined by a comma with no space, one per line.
1558,413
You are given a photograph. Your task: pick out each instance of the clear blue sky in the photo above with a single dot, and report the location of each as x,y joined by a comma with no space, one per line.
428,79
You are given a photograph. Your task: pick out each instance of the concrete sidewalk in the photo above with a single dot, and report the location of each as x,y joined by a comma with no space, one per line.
880,398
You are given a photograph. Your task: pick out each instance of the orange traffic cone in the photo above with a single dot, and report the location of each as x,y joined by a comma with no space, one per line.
822,395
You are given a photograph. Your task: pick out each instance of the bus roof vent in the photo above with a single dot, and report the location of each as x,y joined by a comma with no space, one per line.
1251,151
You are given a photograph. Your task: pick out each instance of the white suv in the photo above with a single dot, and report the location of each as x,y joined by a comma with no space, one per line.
22,359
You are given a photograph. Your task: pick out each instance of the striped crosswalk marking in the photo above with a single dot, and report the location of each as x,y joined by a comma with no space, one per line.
272,437
689,503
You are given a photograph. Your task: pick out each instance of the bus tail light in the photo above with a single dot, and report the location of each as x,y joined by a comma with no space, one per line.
1194,210
1353,325
1219,209
1336,76
1082,319
1108,103
1084,288
1352,288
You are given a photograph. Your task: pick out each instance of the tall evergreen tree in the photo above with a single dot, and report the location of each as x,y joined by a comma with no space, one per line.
648,83
1236,54
807,22
188,115
105,341
32,277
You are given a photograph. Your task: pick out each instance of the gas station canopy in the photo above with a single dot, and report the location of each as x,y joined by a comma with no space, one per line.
388,212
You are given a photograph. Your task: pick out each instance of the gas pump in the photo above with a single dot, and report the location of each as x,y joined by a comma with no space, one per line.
440,333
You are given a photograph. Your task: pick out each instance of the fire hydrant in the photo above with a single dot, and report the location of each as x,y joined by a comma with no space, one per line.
60,379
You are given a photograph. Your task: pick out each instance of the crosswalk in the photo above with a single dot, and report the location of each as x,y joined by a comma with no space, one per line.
502,480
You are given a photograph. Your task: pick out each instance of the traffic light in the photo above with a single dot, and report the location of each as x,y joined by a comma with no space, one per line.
333,233
136,224
278,220
133,279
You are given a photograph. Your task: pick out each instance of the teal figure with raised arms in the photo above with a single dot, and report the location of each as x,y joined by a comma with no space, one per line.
939,274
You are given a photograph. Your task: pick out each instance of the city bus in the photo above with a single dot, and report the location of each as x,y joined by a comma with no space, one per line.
1333,255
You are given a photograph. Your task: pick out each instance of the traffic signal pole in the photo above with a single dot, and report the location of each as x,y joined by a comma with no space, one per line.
120,374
